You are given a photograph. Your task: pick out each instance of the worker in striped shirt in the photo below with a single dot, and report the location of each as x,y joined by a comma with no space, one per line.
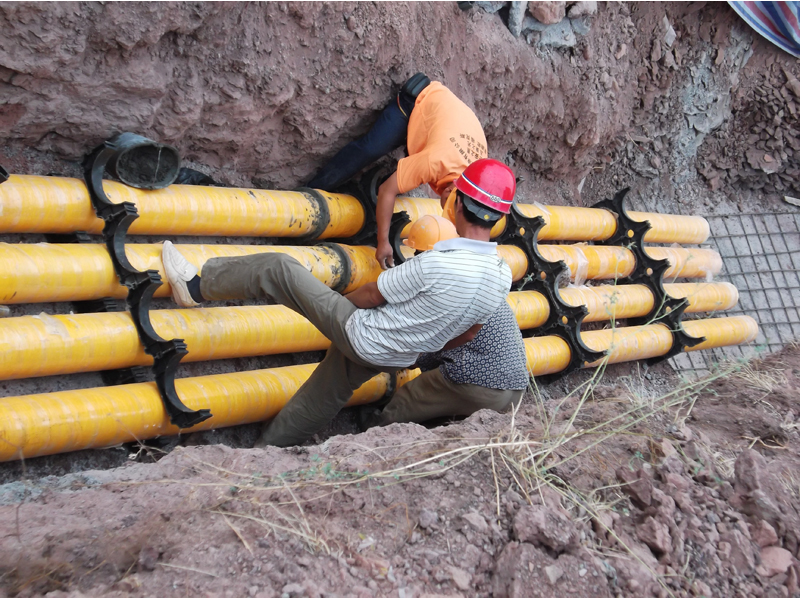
440,299
489,371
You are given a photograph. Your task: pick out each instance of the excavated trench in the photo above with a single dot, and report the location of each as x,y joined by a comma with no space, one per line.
259,96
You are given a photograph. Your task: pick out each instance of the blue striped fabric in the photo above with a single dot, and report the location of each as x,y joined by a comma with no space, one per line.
776,21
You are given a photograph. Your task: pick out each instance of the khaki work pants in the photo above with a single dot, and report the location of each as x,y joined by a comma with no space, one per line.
432,395
280,278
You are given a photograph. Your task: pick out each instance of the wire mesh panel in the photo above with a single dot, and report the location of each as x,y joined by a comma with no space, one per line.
760,257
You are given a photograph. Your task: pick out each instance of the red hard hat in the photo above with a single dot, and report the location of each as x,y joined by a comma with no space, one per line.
490,183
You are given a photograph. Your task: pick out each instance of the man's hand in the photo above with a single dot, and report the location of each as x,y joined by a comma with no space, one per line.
446,193
384,254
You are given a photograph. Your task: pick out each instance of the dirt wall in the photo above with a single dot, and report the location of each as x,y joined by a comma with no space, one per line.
266,92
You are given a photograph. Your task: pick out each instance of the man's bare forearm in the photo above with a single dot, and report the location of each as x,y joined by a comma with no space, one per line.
464,338
387,194
367,296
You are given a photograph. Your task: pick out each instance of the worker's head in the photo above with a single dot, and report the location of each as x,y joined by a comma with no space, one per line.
485,193
428,230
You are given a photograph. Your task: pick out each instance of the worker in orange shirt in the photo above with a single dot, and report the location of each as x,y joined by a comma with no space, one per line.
443,137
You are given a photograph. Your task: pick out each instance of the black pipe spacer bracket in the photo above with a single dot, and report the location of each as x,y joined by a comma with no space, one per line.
3,175
399,222
141,285
649,272
543,276
365,190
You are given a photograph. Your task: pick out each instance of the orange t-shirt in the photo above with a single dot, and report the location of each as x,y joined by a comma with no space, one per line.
444,137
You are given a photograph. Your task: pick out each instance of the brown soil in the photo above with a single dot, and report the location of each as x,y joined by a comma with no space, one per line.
691,494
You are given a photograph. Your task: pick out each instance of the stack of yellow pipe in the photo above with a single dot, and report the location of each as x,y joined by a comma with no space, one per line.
46,345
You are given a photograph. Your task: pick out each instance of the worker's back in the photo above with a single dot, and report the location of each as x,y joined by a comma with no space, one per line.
431,299
444,137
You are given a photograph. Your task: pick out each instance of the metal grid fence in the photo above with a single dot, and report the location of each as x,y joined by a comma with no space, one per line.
760,257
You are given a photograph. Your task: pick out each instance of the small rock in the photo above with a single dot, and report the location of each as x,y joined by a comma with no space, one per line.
553,573
792,83
741,556
548,13
774,560
294,590
763,534
637,485
427,518
252,591
580,9
476,521
582,572
582,25
680,482
701,589
560,35
516,14
544,526
490,7
656,535
148,558
663,446
530,24
622,51
724,550
461,578
669,32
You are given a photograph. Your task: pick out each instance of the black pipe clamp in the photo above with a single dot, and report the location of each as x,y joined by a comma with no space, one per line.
145,164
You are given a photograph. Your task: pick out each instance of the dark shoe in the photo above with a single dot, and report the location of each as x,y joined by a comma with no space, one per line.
415,84
368,417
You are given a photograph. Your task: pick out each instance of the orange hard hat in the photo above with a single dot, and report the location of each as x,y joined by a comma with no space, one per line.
428,230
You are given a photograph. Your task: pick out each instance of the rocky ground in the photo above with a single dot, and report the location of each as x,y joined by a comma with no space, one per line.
642,485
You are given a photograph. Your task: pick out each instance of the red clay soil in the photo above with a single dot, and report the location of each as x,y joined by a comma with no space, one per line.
694,494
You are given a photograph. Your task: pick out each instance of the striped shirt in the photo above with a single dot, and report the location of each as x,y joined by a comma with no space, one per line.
430,299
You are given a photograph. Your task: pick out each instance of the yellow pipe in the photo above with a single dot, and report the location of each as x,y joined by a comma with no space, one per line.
96,418
596,224
43,345
615,262
723,332
62,272
648,341
32,204
45,424
40,345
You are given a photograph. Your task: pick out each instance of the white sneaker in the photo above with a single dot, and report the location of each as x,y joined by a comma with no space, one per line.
178,271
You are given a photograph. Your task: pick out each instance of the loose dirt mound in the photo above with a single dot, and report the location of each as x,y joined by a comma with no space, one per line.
603,493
